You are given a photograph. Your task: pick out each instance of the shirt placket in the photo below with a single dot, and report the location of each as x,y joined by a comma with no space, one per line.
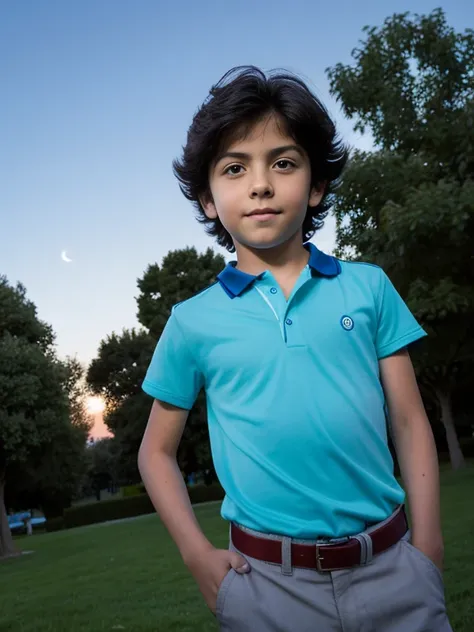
273,297
281,309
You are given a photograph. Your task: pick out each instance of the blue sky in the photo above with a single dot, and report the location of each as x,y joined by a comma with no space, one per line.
97,96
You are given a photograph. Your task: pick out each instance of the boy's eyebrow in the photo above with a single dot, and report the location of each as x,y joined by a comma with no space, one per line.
273,153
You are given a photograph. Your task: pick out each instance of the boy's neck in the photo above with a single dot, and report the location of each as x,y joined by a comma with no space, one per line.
288,258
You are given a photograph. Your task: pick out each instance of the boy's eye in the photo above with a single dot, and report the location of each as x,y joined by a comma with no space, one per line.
233,170
284,164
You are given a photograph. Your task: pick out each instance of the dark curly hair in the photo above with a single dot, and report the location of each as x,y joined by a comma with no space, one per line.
242,97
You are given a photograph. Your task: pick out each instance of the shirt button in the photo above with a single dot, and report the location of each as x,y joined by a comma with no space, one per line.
273,290
289,321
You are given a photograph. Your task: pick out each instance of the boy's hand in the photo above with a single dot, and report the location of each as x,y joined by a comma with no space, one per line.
433,550
209,569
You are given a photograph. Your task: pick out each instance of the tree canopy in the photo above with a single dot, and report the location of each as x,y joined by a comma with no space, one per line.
408,205
119,369
41,451
182,274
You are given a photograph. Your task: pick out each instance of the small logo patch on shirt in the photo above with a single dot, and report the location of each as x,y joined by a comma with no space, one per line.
347,323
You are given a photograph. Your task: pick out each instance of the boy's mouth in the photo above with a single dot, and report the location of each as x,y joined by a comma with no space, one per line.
263,214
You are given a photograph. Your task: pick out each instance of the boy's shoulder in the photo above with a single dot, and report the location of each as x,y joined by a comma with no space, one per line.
196,307
204,299
361,270
363,277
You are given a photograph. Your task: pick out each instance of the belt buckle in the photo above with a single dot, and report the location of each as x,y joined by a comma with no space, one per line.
319,559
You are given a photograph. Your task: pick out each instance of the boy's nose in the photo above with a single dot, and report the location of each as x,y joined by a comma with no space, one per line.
261,190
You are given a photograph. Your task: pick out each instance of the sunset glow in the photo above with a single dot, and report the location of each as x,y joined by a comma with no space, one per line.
95,405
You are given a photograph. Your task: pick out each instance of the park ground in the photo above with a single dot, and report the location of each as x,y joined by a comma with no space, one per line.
128,575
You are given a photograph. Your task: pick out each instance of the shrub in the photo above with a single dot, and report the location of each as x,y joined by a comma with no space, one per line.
55,524
467,446
105,510
130,506
133,490
204,493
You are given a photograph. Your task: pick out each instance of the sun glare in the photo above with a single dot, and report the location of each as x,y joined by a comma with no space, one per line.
95,405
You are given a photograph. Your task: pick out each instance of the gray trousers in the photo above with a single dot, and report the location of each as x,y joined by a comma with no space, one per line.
400,590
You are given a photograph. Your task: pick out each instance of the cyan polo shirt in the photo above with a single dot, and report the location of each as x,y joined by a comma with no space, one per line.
296,410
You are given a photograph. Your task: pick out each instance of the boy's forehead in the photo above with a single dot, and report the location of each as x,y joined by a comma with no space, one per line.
270,130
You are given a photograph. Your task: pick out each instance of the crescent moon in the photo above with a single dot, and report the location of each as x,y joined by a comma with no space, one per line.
64,257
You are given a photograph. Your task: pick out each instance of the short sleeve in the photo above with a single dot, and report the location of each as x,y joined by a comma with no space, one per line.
397,327
173,376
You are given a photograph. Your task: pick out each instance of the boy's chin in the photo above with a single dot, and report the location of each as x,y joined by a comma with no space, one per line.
255,245
263,243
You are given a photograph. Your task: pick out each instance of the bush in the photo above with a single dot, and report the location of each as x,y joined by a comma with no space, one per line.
130,506
133,490
467,447
204,493
105,510
55,524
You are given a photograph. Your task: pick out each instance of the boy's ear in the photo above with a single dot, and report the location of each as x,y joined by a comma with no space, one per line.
208,205
316,194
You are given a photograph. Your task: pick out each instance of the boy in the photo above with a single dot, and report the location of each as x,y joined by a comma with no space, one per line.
300,354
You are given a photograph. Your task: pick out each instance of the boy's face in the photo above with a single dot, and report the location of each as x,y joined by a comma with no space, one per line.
261,187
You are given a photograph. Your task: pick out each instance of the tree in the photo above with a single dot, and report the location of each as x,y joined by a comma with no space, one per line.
117,375
50,476
76,389
118,371
36,439
182,274
102,462
27,370
409,204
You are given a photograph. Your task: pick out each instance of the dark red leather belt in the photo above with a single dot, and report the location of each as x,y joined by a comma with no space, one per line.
322,557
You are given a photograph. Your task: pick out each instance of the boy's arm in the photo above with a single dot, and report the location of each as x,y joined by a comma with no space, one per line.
416,451
163,480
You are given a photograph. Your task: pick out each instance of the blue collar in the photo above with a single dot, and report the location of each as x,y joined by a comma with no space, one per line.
234,281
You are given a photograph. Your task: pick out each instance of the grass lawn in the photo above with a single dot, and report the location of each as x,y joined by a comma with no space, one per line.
128,576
